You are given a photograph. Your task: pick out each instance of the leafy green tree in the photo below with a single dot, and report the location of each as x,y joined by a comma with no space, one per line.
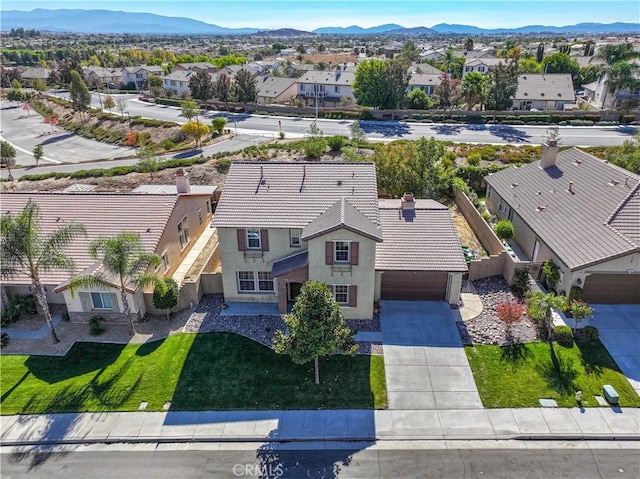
628,155
25,250
154,84
218,124
166,294
409,52
109,103
370,83
245,87
189,109
39,85
201,86
397,79
417,99
468,44
529,65
123,258
540,53
16,85
316,328
223,87
561,63
358,137
79,93
446,92
580,311
502,86
16,94
147,162
7,156
195,130
38,153
542,304
472,89
315,144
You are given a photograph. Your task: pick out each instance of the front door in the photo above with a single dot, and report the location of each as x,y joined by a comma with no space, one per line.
293,291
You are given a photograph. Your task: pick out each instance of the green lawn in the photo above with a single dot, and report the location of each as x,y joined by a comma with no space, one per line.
520,375
196,372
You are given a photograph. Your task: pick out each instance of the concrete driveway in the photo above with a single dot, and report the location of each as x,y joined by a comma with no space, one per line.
424,359
619,326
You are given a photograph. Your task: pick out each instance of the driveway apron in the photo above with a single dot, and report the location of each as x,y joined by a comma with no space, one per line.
425,363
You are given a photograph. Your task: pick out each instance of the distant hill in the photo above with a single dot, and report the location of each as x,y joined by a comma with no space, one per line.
285,32
356,30
578,28
108,21
413,31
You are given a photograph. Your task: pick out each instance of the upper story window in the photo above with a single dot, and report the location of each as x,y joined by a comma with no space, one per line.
488,192
253,238
294,237
165,261
341,251
183,232
138,75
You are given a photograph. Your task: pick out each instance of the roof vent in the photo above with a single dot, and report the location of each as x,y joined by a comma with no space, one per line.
626,182
339,182
540,208
578,162
541,94
539,192
570,190
614,183
513,185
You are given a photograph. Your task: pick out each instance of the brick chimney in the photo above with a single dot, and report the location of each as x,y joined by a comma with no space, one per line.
182,182
408,201
549,154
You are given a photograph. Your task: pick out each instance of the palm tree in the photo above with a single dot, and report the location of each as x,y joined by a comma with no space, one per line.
541,305
24,250
616,53
123,258
619,76
472,88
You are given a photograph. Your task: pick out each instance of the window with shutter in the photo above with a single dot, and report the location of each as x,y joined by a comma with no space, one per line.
353,296
264,239
329,252
341,293
354,253
241,240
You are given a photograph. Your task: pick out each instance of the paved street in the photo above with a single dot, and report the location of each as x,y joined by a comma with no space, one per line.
416,459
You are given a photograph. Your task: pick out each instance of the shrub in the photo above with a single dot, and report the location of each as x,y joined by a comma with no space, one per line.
473,159
336,142
563,336
591,333
95,325
575,292
21,306
223,166
510,312
486,216
504,230
552,274
282,135
520,281
4,340
168,144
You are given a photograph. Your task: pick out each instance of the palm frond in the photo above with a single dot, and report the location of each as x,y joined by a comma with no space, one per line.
89,281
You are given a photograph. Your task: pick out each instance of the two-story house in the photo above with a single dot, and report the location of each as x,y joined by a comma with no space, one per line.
326,88
539,91
580,212
481,65
178,81
99,76
281,224
138,75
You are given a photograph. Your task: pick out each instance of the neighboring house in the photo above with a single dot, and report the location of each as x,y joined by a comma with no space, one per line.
195,67
326,88
178,81
169,224
551,91
275,89
481,65
598,95
31,74
232,70
580,212
111,77
138,75
281,224
425,82
296,70
425,69
287,52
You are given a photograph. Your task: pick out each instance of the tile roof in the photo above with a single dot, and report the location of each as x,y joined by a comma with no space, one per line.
423,79
292,195
328,78
551,87
626,219
423,239
574,225
342,215
425,69
290,263
273,86
103,214
173,189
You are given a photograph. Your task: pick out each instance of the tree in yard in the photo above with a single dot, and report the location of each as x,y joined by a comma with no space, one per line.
245,87
468,44
189,109
7,156
504,230
195,130
122,105
25,250
166,294
315,144
502,86
223,88
316,328
540,53
38,153
79,93
619,76
398,77
472,89
580,311
542,304
201,86
109,103
409,52
529,65
122,257
147,163
39,85
154,84
417,99
561,63
446,92
369,86
357,135
510,312
218,123
613,54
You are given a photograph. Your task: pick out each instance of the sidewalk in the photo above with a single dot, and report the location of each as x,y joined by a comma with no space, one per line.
329,425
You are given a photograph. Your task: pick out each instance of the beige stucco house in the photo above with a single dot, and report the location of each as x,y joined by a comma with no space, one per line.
168,224
281,224
580,212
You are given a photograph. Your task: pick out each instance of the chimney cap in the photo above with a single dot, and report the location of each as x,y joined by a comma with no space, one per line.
408,197
179,172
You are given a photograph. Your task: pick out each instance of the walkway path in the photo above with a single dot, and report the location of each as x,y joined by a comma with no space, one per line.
425,363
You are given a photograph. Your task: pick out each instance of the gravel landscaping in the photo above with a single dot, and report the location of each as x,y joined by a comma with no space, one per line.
487,328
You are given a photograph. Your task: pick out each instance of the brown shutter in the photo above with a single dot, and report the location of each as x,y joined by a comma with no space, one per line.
242,245
328,252
354,253
353,296
264,240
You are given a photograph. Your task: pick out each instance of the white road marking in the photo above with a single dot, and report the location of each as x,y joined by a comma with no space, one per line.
31,153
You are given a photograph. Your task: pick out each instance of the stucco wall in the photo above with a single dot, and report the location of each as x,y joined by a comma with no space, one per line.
454,286
482,230
74,305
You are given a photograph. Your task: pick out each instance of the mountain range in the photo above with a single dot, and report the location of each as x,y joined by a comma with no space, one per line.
109,21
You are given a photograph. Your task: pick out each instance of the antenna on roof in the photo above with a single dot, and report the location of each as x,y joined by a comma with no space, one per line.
304,175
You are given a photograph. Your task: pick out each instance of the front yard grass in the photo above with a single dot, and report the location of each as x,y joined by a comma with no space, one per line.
212,371
521,374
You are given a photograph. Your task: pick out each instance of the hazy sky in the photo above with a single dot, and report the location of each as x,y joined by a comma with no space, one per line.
310,14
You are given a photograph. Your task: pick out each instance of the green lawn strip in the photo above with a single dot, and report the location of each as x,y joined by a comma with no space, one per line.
213,371
519,376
